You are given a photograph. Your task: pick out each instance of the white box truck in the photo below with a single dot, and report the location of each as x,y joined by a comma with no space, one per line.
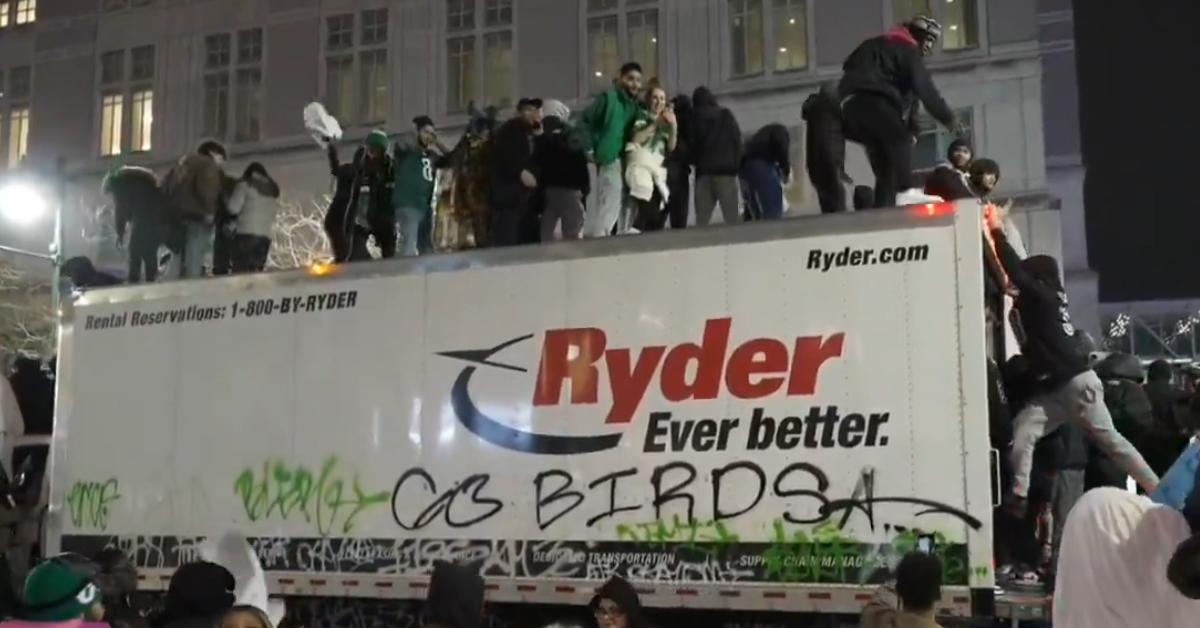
763,417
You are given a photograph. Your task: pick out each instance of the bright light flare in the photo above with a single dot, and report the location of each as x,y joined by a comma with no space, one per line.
21,204
320,269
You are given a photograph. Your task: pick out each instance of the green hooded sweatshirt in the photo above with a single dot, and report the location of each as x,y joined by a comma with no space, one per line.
608,121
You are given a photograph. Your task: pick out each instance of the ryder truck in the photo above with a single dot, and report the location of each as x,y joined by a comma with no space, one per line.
761,418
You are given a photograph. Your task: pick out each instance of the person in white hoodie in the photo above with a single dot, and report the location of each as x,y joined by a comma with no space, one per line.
655,133
254,203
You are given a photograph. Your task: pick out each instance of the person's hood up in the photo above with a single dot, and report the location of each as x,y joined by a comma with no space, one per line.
1043,268
901,35
556,109
682,102
703,97
200,590
624,596
455,597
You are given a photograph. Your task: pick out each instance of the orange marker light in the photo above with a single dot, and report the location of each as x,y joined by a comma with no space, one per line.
320,269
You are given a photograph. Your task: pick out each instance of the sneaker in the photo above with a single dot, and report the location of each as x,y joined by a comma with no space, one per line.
915,196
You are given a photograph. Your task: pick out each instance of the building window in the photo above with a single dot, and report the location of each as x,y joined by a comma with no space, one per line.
959,18
142,63
26,12
3,14
141,120
620,31
18,135
20,83
112,112
934,140
233,86
357,78
756,49
112,67
480,54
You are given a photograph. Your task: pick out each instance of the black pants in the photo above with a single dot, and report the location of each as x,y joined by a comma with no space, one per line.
383,229
337,229
143,253
825,146
222,251
507,225
879,126
250,253
650,215
680,201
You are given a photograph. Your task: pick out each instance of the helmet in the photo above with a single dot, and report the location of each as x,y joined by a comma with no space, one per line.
924,27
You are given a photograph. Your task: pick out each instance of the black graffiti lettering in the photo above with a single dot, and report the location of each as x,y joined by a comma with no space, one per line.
822,485
430,513
556,495
612,479
445,502
865,488
932,508
719,474
675,492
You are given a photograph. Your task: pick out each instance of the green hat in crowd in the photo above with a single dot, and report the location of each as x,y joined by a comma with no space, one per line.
60,589
377,139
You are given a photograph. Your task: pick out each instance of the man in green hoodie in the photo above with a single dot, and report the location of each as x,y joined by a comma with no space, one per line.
417,164
607,123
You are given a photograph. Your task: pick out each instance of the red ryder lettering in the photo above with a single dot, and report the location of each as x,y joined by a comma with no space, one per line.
755,369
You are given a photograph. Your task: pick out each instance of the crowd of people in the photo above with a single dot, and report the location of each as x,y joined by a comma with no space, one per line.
650,155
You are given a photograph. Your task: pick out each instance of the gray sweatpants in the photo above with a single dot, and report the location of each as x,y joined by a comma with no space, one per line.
1081,402
711,189
610,201
1068,487
566,206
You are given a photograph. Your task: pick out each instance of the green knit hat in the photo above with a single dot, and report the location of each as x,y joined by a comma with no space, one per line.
377,139
60,589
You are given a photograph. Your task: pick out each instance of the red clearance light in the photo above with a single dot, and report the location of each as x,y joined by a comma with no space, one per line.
934,209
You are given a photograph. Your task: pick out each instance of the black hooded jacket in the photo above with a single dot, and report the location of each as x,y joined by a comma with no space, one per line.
772,144
1046,333
681,156
349,178
558,161
136,199
891,66
455,597
625,596
716,138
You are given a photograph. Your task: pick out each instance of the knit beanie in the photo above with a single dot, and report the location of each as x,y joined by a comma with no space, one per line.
377,139
60,589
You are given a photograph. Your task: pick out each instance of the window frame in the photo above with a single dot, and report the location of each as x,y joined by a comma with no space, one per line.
478,31
769,45
111,137
223,81
939,13
355,52
621,10
24,12
126,85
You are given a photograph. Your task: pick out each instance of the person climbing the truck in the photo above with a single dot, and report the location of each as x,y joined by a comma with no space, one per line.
1074,393
883,84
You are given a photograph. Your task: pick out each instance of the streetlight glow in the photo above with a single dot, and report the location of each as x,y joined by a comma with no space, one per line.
21,204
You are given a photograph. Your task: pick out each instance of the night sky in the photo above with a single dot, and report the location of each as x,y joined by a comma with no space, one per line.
1139,94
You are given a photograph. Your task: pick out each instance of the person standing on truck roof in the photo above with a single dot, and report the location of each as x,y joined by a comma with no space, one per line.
193,191
254,204
1073,391
362,201
616,605
911,603
563,177
137,203
825,149
513,181
455,598
766,168
883,84
418,161
716,152
607,122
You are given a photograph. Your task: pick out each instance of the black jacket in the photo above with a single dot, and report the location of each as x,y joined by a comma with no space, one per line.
349,179
891,66
558,161
136,199
1046,333
716,142
772,144
455,598
949,183
1132,417
512,152
681,156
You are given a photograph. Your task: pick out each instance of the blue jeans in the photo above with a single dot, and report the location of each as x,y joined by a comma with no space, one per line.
416,228
197,244
762,189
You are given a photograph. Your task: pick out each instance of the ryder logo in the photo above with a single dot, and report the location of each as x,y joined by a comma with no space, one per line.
581,357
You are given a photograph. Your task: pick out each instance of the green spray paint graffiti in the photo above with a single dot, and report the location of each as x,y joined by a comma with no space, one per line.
89,503
328,498
702,536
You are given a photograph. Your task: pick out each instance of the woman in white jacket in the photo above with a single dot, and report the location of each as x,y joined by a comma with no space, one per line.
655,134
255,203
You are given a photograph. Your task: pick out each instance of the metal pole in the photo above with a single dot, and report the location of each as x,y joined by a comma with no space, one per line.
60,180
23,252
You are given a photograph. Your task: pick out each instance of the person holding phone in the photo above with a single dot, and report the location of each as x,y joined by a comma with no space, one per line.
911,602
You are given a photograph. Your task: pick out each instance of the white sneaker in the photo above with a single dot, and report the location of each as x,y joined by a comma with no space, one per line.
915,196
630,231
